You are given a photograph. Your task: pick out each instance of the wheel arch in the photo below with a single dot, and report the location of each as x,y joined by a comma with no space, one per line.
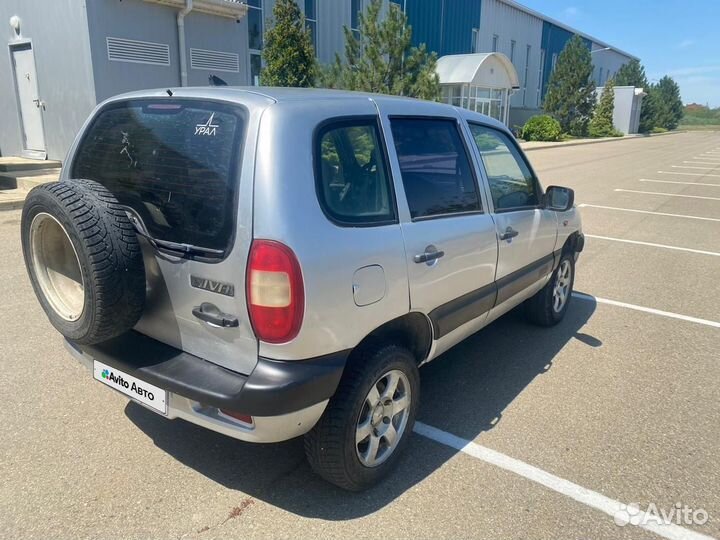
574,243
413,330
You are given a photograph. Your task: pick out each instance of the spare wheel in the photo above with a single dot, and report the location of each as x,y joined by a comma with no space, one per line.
84,260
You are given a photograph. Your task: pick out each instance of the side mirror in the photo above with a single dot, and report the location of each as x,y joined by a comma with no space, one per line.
560,199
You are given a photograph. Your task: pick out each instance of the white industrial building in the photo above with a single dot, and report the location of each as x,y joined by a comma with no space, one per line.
64,56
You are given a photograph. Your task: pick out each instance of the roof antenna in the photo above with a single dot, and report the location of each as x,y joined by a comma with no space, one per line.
169,92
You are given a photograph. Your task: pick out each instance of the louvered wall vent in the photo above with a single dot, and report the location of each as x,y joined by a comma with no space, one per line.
138,52
214,60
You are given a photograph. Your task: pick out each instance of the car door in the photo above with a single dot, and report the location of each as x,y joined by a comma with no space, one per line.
450,240
527,232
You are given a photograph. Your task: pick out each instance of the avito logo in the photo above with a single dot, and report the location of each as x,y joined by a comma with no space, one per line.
132,387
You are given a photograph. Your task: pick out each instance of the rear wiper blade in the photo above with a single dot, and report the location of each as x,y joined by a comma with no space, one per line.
168,245
189,249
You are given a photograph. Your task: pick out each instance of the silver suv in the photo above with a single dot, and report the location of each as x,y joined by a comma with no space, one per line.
270,263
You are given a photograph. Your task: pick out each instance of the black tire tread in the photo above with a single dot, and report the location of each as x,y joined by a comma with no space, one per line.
111,250
539,308
325,443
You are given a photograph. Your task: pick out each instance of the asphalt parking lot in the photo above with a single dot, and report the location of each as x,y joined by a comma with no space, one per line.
524,432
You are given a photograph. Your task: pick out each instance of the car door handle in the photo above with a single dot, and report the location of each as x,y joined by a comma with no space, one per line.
211,314
428,256
508,234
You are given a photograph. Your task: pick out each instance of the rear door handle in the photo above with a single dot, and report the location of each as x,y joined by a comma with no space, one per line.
428,256
211,314
509,233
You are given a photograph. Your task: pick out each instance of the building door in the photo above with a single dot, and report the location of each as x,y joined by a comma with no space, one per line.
29,102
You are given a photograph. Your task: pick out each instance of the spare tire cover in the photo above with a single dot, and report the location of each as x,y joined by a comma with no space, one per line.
84,260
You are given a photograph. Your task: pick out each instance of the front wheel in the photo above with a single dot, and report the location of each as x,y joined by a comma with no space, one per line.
369,419
548,306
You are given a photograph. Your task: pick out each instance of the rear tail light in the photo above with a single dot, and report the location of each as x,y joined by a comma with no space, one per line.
275,295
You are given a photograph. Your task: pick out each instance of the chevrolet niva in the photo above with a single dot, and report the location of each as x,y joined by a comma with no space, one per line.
270,263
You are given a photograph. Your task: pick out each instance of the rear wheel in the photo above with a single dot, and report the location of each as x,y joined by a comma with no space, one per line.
369,419
549,305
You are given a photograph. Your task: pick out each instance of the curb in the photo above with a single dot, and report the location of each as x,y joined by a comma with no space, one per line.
12,204
598,141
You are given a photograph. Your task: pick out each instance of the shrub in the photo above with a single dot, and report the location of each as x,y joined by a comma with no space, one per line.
486,142
541,128
658,129
601,124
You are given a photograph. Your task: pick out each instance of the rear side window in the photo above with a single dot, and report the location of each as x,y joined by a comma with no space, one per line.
352,179
436,172
173,162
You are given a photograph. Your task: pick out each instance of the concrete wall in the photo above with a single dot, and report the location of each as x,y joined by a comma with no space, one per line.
626,114
213,33
58,31
131,19
606,63
135,19
332,16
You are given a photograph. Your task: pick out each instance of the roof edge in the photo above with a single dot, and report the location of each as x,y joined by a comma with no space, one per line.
542,17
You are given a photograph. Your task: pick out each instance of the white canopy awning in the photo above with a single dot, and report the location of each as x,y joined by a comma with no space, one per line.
492,70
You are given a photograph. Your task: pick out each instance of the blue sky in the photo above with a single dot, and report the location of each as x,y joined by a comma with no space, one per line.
671,37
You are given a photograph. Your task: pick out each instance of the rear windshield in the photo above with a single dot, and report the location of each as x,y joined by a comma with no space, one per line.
172,161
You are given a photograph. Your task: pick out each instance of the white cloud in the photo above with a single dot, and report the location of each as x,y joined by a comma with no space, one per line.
685,43
571,12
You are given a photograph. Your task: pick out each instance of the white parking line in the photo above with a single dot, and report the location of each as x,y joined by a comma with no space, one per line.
651,244
669,194
588,497
709,158
584,205
690,167
676,182
689,173
702,163
670,314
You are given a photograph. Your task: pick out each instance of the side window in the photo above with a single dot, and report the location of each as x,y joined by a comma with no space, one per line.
436,172
352,180
512,185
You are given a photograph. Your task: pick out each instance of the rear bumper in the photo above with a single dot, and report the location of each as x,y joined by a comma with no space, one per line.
285,398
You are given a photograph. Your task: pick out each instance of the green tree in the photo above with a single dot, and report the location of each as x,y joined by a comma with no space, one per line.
633,74
571,92
381,59
601,124
289,54
667,103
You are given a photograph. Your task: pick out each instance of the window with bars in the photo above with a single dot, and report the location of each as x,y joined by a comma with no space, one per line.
541,69
528,50
311,20
255,39
355,9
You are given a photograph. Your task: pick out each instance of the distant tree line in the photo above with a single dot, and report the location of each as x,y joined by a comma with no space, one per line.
570,97
700,115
